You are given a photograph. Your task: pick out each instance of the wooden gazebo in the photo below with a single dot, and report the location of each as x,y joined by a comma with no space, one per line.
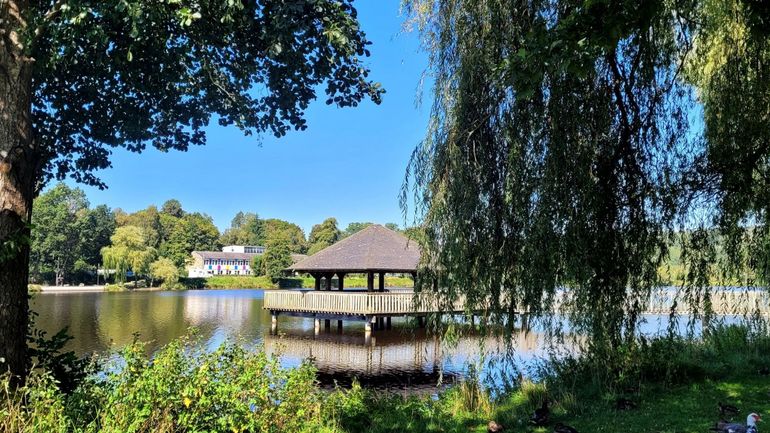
373,250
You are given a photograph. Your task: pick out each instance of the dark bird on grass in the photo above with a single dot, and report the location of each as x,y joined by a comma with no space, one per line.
734,427
563,428
727,410
625,404
494,427
540,415
764,371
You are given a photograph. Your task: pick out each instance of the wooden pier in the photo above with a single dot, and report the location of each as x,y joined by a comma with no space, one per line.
361,304
374,308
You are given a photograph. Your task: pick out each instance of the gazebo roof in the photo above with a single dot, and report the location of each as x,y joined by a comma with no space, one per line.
375,248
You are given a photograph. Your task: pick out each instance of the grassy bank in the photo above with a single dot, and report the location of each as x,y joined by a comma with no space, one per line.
675,383
263,282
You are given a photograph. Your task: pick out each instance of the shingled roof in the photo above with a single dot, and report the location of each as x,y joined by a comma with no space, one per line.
375,248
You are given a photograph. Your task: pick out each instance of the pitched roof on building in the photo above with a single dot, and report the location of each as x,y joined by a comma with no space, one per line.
297,257
375,248
219,255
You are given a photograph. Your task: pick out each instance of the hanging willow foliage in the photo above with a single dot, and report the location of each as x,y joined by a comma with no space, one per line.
565,152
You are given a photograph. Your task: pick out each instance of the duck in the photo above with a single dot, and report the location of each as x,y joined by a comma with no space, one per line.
732,427
493,427
540,415
563,428
625,404
727,410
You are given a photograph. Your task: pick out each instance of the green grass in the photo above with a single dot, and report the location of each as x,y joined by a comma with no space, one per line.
687,408
681,382
238,282
690,408
264,282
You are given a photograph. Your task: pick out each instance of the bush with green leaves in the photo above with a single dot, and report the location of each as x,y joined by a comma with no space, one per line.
165,270
185,388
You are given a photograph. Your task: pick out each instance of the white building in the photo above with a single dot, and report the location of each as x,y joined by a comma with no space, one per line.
232,260
250,249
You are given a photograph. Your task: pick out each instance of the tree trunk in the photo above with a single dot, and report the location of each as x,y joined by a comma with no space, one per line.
18,170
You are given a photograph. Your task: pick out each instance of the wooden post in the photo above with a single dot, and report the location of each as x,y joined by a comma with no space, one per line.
327,324
317,326
370,281
421,321
339,326
340,281
329,281
368,325
273,321
382,281
317,281
388,324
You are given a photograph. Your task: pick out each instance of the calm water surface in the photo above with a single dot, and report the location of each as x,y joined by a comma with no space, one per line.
401,358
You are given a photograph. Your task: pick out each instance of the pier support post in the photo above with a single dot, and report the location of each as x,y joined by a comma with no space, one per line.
327,324
339,326
421,321
388,324
273,322
317,326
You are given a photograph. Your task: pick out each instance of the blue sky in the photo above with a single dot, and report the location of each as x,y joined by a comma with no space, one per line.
349,163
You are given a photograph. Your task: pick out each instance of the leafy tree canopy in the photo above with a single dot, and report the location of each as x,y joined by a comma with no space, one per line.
560,151
245,229
354,228
165,269
130,251
172,208
323,235
277,255
132,73
193,232
59,216
276,229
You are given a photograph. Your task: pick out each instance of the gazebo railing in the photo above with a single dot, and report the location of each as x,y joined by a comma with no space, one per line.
366,303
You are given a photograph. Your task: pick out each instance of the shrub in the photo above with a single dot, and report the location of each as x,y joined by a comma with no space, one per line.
165,270
38,406
138,284
185,388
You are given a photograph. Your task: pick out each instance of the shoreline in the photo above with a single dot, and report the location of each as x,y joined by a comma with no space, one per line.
88,289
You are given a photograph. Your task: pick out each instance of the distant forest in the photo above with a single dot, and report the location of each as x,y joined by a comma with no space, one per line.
71,239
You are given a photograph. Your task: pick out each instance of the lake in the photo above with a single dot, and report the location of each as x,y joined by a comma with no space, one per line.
402,358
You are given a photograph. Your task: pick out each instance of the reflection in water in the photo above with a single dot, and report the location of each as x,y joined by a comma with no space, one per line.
404,357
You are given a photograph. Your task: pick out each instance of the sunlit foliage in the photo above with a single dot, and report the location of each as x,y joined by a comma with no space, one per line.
565,151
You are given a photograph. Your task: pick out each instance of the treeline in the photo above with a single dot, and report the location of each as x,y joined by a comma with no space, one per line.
71,240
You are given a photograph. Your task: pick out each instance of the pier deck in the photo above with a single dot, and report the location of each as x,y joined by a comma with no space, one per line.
361,304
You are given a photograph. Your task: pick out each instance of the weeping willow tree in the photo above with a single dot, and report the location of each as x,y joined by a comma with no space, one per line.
565,151
129,252
732,71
